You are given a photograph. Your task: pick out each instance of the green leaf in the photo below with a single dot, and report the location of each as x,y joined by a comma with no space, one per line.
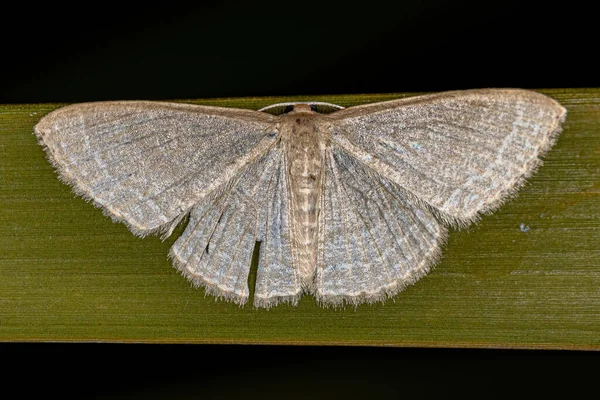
526,276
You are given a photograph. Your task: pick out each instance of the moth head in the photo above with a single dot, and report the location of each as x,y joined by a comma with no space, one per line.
300,108
305,107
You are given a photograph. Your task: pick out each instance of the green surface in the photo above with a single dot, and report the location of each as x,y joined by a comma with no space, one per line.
67,273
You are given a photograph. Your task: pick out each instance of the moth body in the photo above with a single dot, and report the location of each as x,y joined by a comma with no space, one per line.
304,142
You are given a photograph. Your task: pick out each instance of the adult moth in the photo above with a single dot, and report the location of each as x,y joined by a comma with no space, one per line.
350,206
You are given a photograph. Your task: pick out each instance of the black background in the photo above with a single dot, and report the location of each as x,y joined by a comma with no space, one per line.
242,48
103,51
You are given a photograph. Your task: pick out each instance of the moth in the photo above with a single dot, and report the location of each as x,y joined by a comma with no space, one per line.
351,206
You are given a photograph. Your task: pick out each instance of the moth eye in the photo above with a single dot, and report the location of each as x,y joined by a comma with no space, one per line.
313,107
288,109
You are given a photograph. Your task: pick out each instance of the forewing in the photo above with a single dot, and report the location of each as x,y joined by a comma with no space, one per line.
373,240
147,163
460,152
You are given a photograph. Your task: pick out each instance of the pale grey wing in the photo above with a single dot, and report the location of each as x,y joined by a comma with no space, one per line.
460,152
147,163
276,279
215,250
373,240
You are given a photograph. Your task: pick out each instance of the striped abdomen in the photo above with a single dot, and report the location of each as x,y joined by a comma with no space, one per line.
305,170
